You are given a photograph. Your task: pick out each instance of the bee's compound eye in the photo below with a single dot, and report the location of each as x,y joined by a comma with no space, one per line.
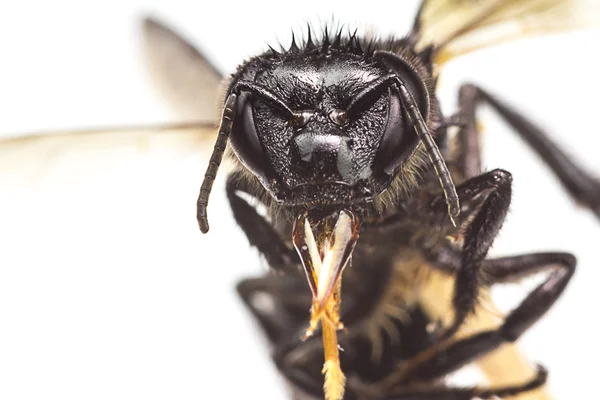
244,138
395,144
300,118
339,117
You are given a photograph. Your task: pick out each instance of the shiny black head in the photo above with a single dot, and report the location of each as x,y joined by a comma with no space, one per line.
329,125
325,125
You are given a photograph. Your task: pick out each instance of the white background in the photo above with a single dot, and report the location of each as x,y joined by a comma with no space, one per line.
121,297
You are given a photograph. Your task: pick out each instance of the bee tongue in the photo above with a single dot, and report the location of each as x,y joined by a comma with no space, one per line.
325,249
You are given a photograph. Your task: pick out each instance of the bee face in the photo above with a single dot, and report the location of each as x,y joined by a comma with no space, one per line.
339,137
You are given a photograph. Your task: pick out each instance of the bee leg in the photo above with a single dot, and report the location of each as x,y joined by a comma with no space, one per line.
451,393
278,303
487,196
581,185
505,269
452,355
258,230
514,268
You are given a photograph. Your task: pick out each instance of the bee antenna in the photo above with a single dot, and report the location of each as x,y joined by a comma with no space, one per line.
215,161
402,68
441,169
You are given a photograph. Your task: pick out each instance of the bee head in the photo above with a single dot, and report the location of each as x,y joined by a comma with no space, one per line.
325,126
328,127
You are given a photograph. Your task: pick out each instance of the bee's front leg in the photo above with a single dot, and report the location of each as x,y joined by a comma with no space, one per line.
485,200
258,230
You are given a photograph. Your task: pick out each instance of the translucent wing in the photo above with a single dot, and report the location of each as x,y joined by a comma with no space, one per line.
188,81
54,185
457,27
28,160
105,162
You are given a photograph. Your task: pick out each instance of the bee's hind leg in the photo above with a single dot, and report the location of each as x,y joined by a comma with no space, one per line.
582,186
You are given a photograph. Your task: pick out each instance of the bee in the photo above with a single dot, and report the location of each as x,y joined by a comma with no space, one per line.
425,193
339,138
